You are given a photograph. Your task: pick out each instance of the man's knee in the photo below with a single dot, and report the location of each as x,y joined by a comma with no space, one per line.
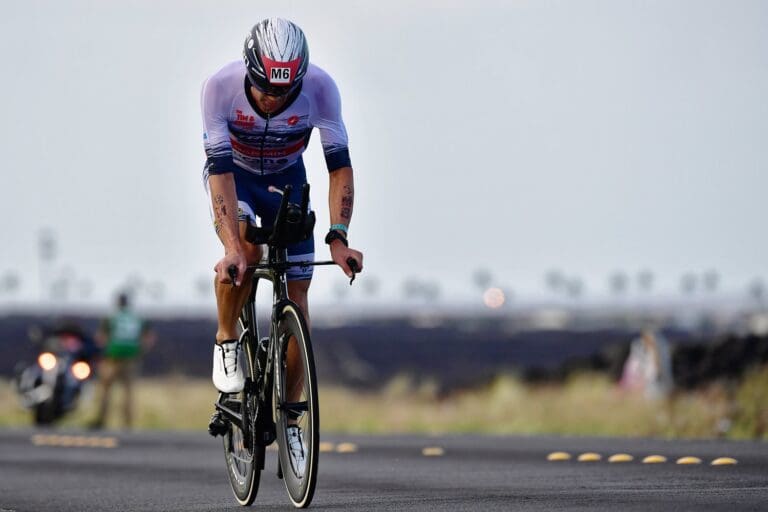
252,252
297,291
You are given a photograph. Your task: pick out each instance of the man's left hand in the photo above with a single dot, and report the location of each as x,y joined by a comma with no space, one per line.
340,253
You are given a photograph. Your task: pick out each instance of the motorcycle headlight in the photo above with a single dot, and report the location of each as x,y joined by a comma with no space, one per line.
47,361
81,370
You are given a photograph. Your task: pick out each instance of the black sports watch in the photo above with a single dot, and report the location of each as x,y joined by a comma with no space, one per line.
335,235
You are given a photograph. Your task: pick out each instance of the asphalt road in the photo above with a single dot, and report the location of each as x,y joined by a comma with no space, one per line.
80,471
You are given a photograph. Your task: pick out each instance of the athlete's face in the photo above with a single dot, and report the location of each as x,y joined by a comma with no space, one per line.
267,102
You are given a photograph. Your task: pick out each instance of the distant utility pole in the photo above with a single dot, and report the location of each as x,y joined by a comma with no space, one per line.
46,253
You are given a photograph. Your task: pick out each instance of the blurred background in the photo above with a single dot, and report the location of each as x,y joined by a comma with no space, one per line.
561,206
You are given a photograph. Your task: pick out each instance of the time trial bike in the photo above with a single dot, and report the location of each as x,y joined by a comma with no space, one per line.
277,397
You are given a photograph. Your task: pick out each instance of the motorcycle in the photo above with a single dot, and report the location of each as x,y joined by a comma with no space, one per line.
52,385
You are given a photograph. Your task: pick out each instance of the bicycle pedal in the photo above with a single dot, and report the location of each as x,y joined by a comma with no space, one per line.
218,426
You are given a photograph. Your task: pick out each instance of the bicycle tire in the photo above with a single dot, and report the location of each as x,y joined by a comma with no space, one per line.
242,455
300,488
45,413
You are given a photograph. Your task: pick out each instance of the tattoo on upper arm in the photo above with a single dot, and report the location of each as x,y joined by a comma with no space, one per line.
347,202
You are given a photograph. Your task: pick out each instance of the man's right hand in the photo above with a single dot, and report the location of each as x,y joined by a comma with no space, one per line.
233,258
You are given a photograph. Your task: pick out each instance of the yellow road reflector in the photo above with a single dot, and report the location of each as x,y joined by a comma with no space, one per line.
689,460
589,457
326,447
557,456
108,442
346,448
78,441
724,461
432,451
654,459
621,457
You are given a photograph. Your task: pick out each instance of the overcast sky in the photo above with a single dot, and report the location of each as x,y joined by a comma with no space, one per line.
516,136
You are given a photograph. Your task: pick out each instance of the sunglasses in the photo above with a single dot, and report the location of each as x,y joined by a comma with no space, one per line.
276,91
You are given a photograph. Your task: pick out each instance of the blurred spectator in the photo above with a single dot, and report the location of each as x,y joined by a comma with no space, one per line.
124,337
648,368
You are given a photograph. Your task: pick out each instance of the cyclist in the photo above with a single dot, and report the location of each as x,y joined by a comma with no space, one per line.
258,115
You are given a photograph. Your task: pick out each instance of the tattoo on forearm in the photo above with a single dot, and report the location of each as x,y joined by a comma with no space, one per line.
347,202
219,208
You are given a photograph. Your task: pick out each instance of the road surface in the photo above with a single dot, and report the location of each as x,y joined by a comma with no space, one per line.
162,471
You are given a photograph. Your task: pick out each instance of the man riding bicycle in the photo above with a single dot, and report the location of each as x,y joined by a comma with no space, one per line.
258,115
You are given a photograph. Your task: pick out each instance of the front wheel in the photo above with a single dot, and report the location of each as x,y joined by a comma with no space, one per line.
296,406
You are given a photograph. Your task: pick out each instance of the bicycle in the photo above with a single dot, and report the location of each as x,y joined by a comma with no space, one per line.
261,414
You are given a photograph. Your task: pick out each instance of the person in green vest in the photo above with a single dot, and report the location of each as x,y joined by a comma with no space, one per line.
124,338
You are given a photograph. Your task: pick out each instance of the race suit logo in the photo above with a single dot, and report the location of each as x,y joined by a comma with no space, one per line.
244,120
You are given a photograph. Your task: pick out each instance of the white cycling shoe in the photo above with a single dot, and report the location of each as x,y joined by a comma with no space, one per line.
228,367
297,450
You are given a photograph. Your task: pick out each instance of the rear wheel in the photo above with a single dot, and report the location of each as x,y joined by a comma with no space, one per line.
296,405
45,412
243,456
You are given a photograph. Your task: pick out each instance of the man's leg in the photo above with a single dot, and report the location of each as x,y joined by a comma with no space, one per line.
128,372
106,378
297,292
231,299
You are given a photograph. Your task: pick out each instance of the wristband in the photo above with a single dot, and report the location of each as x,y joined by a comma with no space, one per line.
339,227
335,235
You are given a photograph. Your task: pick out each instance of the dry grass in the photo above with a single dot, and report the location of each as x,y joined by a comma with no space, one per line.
168,403
587,404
